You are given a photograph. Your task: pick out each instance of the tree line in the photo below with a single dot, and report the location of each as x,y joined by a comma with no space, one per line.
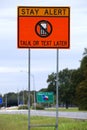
16,99
72,85
72,88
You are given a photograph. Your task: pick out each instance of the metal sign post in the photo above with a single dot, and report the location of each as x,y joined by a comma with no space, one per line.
57,90
46,33
29,89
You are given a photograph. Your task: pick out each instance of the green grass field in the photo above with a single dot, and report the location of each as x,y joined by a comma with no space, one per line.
71,109
20,122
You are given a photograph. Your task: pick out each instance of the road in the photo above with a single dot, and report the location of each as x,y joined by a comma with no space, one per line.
75,115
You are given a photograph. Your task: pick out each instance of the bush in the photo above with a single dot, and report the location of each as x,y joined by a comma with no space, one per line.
23,107
38,107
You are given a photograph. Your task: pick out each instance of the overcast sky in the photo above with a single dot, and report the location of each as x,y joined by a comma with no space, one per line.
14,61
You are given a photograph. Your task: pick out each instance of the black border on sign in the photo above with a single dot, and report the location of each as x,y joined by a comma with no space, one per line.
43,16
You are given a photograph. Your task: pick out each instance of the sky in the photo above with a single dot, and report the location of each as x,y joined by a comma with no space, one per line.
14,61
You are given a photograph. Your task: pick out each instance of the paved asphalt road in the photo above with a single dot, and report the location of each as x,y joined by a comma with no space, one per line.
75,115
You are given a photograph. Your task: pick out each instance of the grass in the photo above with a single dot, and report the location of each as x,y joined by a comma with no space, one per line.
20,122
70,109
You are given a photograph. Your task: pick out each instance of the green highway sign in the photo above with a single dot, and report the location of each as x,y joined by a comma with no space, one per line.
45,97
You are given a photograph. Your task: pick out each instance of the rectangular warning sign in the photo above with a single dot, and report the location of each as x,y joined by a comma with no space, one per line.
43,27
43,11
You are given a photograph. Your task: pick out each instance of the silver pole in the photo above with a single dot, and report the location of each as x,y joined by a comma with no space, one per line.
29,89
57,90
23,97
18,98
6,101
34,91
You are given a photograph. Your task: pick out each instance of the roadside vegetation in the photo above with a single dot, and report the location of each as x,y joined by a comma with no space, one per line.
72,89
20,122
70,109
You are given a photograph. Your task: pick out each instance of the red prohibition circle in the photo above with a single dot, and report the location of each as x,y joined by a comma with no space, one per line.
43,28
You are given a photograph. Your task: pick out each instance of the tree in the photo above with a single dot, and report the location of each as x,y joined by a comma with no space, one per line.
65,87
11,99
83,66
85,52
43,90
82,95
76,78
51,83
81,90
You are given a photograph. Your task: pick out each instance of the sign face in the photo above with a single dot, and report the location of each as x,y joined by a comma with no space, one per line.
45,97
43,27
1,100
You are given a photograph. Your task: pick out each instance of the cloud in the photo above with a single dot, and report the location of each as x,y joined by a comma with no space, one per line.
11,69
